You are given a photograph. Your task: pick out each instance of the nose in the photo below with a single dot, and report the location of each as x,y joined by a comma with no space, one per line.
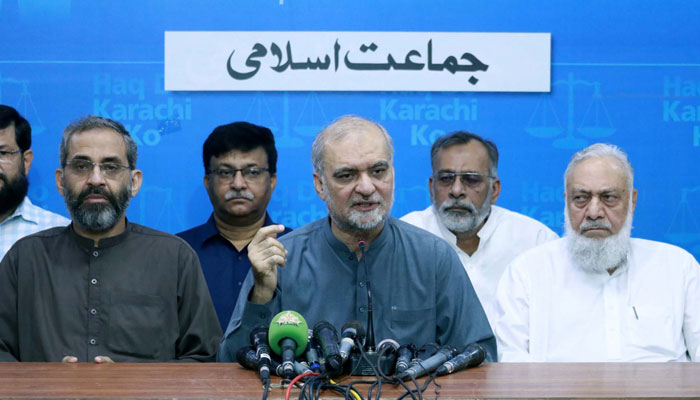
95,177
595,209
238,182
457,189
365,186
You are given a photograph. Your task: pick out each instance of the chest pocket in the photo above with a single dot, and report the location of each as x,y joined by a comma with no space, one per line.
651,328
136,326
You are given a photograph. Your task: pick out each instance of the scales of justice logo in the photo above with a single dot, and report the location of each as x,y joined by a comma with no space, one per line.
594,124
309,121
684,230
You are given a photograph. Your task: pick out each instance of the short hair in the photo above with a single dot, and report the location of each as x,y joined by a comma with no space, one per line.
23,131
602,150
90,122
242,136
340,128
464,137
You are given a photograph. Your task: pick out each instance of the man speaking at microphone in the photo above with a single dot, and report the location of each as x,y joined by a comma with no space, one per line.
420,291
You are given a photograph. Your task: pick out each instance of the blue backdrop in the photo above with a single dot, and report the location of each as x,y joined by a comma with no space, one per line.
625,72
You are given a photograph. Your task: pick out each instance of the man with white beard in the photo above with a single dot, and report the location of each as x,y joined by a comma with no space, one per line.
464,187
327,269
597,295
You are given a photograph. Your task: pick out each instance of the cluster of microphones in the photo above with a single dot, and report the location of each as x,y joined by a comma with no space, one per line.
288,348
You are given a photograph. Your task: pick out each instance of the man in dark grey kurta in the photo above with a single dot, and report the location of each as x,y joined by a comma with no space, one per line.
137,296
103,289
421,293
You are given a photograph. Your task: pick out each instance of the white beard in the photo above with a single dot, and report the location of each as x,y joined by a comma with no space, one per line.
462,222
598,255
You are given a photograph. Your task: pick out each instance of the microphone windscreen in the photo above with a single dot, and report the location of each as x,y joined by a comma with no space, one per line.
356,326
246,357
288,324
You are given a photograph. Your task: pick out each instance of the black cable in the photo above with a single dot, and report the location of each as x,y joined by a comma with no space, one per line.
267,389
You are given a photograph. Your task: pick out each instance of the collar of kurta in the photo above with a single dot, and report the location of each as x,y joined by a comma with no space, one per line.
89,244
342,249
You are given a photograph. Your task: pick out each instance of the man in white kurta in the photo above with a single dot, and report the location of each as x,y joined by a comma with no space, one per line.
597,295
464,187
504,235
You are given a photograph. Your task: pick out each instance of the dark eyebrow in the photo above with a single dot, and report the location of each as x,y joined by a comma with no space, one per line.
227,165
380,164
344,170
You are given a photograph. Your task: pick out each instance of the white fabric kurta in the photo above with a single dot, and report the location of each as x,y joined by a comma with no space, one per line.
505,235
649,310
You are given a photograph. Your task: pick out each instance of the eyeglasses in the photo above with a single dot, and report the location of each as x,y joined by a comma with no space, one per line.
250,174
6,155
83,168
471,179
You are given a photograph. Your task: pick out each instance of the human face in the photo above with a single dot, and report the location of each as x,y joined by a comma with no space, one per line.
13,172
598,198
463,207
97,202
358,181
240,201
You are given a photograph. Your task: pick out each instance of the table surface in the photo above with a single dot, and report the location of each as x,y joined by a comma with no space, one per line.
216,381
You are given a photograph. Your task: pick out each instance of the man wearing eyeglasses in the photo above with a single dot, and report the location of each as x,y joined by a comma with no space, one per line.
240,174
464,187
18,216
103,289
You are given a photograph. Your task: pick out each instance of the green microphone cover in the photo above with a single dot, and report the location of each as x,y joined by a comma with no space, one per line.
288,324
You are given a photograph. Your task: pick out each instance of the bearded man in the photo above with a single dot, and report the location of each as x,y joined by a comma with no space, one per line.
103,289
324,270
596,294
18,216
464,187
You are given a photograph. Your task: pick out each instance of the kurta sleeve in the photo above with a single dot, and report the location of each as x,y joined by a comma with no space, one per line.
460,317
199,330
691,317
513,316
8,307
245,317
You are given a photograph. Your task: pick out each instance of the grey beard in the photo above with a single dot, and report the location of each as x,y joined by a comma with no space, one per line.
598,255
461,222
97,218
358,222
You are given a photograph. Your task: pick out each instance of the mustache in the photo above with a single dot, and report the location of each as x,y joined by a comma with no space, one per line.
96,190
594,224
236,194
375,198
455,203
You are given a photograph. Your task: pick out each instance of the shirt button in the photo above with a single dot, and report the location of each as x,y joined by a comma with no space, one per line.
93,281
95,253
240,283
362,284
262,315
93,311
93,342
362,309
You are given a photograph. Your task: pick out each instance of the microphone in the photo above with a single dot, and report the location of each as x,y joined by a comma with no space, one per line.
351,330
258,338
369,345
429,365
424,353
472,356
312,358
327,337
406,353
288,337
247,358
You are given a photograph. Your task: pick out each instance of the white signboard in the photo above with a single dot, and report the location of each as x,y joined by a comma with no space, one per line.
358,61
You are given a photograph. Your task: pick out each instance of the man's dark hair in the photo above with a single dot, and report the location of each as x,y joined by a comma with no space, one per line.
91,122
23,132
241,136
464,137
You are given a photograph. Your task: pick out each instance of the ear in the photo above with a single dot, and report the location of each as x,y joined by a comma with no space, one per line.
318,185
273,182
634,199
430,190
495,190
28,156
59,181
136,180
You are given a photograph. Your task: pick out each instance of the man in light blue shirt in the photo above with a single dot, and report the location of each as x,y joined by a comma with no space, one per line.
18,216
